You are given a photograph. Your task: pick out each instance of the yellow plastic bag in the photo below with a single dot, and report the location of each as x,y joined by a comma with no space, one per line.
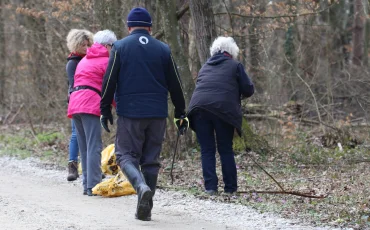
108,162
113,187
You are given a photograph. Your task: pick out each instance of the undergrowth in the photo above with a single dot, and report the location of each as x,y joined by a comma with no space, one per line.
301,163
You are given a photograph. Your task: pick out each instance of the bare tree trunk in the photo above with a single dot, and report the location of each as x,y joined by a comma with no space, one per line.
328,63
255,31
358,32
109,16
367,34
193,59
172,36
291,55
38,53
2,55
339,16
205,28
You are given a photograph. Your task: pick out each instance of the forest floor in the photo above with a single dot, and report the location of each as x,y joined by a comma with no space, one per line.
340,175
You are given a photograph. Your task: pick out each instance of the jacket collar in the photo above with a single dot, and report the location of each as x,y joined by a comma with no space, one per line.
140,31
75,56
218,58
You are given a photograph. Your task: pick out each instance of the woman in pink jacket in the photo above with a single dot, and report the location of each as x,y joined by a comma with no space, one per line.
84,106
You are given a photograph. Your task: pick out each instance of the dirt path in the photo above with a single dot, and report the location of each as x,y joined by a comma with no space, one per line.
34,197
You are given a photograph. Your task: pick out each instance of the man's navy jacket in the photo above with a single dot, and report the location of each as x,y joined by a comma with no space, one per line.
140,73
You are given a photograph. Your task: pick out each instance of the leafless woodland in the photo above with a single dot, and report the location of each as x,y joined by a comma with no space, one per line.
309,59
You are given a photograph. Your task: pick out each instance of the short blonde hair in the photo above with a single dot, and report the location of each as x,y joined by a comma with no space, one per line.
225,44
76,37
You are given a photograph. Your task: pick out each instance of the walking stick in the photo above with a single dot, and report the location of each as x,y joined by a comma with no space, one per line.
174,155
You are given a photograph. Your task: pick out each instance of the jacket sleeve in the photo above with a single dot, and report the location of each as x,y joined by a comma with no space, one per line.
246,87
71,69
175,88
110,82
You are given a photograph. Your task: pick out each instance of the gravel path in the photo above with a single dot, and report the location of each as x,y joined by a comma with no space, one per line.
37,196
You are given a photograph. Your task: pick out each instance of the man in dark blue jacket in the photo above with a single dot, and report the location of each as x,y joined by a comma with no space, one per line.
140,73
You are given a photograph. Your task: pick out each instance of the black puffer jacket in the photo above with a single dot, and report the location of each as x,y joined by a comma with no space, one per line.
71,66
221,84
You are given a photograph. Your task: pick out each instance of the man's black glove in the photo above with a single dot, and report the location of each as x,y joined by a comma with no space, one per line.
182,124
104,121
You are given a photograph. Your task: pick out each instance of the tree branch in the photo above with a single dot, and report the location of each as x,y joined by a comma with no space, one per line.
182,10
271,17
283,191
286,192
268,174
159,34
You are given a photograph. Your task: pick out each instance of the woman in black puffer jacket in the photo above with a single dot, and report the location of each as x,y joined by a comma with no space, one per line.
77,42
215,111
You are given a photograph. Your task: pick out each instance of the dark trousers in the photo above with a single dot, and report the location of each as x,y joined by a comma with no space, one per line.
212,131
139,141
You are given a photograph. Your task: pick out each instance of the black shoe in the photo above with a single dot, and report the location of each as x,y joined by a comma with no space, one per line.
143,191
85,192
72,171
90,193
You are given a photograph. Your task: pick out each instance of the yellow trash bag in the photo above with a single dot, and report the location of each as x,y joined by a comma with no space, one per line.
108,162
113,187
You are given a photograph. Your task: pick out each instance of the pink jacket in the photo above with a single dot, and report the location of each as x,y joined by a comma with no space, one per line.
90,72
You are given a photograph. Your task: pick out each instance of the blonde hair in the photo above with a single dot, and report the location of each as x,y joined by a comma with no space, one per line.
222,44
76,37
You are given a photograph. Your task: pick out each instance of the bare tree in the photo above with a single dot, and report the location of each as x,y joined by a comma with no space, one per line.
367,34
358,32
2,54
193,60
172,36
255,36
204,26
279,40
109,16
171,33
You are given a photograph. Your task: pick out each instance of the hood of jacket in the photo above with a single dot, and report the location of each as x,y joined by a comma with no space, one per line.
218,58
97,50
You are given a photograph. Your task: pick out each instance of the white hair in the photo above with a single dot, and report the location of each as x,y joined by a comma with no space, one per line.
105,37
225,44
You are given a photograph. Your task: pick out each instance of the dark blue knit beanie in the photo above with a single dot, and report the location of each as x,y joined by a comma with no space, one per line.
139,17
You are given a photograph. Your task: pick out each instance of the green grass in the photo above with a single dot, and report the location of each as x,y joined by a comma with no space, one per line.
18,153
21,143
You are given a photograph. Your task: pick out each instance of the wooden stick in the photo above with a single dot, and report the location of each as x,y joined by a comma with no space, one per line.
287,192
268,174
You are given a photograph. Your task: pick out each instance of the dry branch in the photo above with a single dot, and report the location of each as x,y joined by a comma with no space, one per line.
283,191
272,17
159,34
16,114
286,192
